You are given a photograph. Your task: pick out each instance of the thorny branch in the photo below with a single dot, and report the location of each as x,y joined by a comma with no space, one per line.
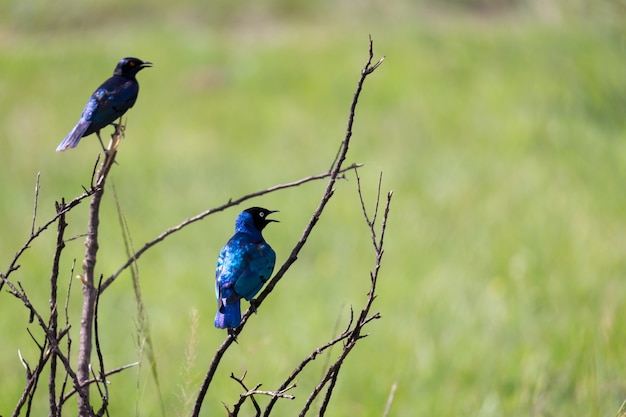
355,334
333,174
200,216
250,393
101,375
80,380
242,398
69,339
308,360
51,339
62,209
54,276
99,379
13,266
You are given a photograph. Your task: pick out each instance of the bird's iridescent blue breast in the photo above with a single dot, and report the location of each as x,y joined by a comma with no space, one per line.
245,263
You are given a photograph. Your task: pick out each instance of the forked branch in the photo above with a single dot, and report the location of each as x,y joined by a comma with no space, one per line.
333,175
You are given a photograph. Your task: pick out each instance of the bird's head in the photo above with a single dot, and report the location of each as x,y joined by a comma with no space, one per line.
257,216
129,67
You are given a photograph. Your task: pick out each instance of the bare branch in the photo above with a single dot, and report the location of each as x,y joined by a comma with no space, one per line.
94,172
67,327
104,395
333,174
32,227
200,216
50,337
32,378
330,389
97,380
328,193
286,383
355,334
274,394
89,292
84,375
13,266
54,276
243,397
217,357
369,68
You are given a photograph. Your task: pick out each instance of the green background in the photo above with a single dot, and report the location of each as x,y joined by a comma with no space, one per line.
499,125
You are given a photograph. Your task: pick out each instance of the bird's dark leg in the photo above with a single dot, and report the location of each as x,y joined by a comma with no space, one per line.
120,126
253,305
117,126
106,152
231,333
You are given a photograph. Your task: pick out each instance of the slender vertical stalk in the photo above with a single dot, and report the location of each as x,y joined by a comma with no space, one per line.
89,290
54,409
89,299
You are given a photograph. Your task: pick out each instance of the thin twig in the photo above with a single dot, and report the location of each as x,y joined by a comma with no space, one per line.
331,388
200,216
243,397
96,380
333,175
217,357
32,378
50,337
370,222
105,396
54,277
32,226
338,321
312,356
13,266
273,394
328,193
69,339
250,393
355,334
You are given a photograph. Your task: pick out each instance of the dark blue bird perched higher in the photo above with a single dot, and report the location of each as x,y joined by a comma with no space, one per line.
245,263
108,103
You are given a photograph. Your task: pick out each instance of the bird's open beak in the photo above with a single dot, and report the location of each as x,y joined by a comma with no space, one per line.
272,220
146,64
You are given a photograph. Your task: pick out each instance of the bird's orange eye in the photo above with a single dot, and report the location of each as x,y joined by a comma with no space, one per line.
131,63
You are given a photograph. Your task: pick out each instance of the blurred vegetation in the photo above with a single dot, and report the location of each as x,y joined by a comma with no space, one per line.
498,124
72,15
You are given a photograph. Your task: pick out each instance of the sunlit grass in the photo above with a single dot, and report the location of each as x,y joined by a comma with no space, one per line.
503,280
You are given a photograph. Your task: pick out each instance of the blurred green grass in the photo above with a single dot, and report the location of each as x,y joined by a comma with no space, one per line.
500,132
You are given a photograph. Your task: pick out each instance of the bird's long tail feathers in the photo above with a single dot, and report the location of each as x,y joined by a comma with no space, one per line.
72,139
228,315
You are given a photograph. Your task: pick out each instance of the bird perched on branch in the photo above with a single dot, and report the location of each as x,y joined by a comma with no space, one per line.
109,102
245,263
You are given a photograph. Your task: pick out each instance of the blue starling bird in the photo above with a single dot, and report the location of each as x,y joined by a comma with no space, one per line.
109,102
245,263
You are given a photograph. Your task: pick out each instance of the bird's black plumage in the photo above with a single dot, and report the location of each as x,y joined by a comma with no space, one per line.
109,102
